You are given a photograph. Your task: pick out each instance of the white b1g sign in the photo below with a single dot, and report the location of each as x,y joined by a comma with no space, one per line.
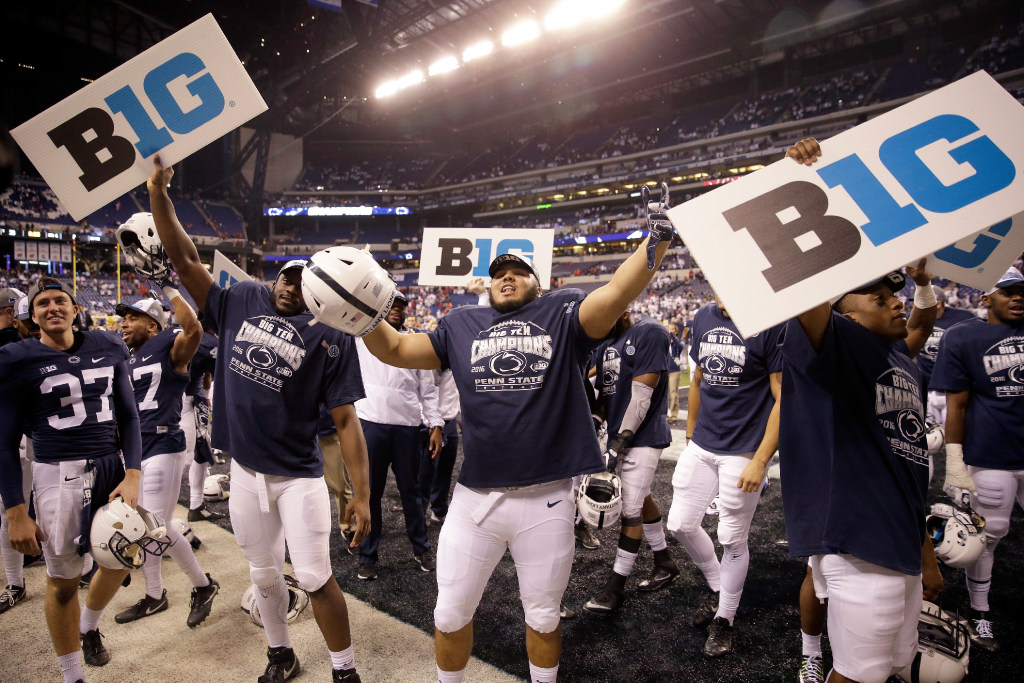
450,257
176,97
908,183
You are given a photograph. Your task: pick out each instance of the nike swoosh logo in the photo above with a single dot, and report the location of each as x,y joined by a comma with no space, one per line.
145,358
70,478
97,360
151,609
551,505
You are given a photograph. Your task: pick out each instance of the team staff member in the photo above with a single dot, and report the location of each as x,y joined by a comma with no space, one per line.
397,402
979,368
855,471
274,370
632,373
74,392
518,365
159,366
675,350
732,430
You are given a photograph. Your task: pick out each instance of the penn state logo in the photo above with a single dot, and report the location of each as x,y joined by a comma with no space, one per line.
74,360
333,351
261,356
910,425
508,363
1016,374
714,364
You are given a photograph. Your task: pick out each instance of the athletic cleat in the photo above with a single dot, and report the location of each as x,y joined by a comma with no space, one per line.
713,508
605,602
30,560
201,603
346,676
143,608
426,562
811,669
719,640
981,631
11,597
203,514
565,613
367,572
586,537
433,517
660,577
706,612
282,665
93,651
85,579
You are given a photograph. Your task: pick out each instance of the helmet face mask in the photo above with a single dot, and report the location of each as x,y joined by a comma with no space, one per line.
943,648
599,499
122,537
216,487
298,600
957,535
142,247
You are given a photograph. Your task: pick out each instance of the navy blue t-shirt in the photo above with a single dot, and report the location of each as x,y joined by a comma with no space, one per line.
525,416
852,447
70,401
205,361
987,360
735,395
272,375
926,356
158,392
641,349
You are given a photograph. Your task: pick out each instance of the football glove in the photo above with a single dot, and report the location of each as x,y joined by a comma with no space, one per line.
658,225
957,478
618,444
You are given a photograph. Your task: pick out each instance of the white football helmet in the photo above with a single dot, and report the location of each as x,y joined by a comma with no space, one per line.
599,499
142,247
298,600
216,487
186,530
958,535
121,537
346,289
936,439
943,648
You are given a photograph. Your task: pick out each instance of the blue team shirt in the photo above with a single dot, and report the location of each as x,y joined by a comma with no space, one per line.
735,395
158,392
205,361
642,349
926,356
272,375
987,360
520,375
69,401
852,447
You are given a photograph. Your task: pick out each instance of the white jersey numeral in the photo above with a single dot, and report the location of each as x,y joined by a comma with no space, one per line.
74,397
149,402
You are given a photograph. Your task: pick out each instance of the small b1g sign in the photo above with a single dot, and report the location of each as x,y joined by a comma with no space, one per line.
176,97
908,183
450,257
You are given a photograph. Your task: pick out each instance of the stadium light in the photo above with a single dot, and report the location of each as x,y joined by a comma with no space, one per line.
386,89
443,65
481,49
570,13
520,33
412,78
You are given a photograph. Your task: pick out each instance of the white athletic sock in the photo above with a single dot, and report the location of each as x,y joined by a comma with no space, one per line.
71,666
14,562
197,473
624,561
183,555
272,602
654,533
450,676
735,561
811,644
728,603
346,659
153,573
701,549
979,578
89,620
539,675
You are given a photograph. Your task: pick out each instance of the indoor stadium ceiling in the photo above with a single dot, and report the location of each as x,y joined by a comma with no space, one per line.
319,68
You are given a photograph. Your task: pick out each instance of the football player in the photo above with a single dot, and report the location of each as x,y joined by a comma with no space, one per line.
527,430
194,408
855,470
732,432
274,370
74,392
159,366
980,368
632,371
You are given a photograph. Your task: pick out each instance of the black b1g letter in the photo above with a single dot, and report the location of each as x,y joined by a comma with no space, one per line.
71,134
790,264
454,256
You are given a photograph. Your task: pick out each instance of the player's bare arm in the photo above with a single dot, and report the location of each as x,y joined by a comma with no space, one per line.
931,577
353,451
402,350
753,474
693,401
922,316
186,343
179,247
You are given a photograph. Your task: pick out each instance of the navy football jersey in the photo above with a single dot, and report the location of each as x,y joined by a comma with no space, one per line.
526,418
641,349
926,356
735,395
158,392
203,362
272,375
987,360
72,402
852,447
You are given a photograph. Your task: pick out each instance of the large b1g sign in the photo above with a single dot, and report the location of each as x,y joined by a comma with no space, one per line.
174,98
450,257
911,182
